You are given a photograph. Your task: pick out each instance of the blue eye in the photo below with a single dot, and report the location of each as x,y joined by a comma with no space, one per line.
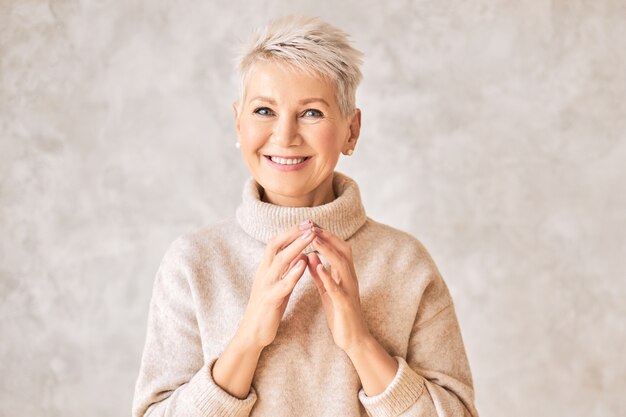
263,111
312,113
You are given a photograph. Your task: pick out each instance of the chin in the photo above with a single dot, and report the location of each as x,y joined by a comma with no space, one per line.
296,190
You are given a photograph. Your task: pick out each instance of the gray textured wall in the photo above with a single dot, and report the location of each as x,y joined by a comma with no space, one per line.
494,131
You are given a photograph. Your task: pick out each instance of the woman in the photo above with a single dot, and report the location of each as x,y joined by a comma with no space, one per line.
299,304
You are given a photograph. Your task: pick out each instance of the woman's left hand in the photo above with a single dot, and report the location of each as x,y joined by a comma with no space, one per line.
339,290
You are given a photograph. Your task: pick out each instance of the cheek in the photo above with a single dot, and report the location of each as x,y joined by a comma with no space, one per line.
252,135
327,140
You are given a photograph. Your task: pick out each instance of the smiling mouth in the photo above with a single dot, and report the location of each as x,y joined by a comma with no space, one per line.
287,161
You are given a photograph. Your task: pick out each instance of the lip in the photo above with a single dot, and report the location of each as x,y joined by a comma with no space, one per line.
287,168
288,156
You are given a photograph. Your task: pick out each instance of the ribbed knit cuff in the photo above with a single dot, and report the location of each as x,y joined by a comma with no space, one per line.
400,394
211,400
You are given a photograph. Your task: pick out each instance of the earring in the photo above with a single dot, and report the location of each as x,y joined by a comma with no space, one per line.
349,152
237,145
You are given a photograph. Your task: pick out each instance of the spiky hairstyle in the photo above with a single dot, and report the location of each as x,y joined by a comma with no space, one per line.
310,45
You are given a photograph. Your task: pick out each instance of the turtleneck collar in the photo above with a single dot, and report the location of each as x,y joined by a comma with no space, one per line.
343,216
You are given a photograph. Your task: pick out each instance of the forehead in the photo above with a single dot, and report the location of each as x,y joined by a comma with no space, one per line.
283,82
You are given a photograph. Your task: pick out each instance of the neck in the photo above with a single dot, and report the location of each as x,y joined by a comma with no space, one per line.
323,194
343,216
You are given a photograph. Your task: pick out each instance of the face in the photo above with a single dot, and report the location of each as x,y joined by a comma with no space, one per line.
291,133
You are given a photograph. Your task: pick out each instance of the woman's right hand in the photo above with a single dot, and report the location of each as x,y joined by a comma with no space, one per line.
280,270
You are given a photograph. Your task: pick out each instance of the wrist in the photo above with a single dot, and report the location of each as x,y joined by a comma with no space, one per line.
374,365
360,345
244,342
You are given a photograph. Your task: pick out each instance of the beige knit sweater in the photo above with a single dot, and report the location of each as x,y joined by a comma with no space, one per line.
202,288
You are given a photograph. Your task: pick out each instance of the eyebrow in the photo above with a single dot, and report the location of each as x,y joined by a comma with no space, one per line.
303,101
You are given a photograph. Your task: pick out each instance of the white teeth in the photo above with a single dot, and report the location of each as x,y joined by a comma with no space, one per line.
284,161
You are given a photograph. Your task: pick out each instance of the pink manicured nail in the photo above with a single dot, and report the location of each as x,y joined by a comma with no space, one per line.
299,263
307,234
305,225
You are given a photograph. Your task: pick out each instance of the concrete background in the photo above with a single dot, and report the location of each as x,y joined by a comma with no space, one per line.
494,131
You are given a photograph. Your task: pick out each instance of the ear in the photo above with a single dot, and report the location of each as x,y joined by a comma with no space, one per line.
355,129
236,116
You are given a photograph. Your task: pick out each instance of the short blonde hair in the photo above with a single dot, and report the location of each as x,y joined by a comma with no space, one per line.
310,45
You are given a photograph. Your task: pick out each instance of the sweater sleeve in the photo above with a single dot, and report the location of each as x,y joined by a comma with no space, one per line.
174,378
435,378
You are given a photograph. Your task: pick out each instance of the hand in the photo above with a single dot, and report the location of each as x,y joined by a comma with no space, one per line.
280,270
339,290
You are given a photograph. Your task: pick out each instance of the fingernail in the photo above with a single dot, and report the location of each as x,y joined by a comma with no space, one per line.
318,229
305,225
299,263
307,234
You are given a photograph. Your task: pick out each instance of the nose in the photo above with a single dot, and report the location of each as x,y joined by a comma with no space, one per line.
285,132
